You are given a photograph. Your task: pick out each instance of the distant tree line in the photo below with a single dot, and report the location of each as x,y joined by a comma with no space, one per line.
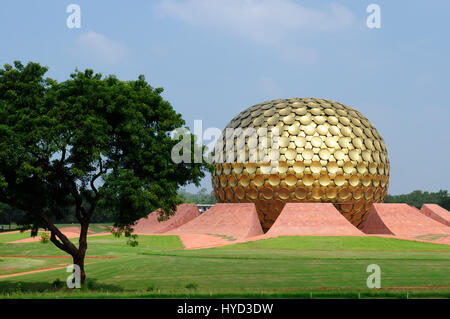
201,197
418,198
10,215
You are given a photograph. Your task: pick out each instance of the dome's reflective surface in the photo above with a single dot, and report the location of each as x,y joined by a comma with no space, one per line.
324,151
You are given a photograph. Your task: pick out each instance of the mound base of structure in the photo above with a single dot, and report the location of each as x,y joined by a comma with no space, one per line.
401,220
312,219
150,225
238,220
437,213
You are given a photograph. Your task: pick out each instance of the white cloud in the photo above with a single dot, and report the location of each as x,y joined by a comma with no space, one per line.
93,44
263,21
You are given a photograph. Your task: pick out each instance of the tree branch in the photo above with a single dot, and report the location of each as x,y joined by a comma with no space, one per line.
64,244
63,156
58,244
64,149
97,176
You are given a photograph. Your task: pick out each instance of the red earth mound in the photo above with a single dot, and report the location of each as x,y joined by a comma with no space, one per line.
312,219
401,220
238,220
151,225
437,213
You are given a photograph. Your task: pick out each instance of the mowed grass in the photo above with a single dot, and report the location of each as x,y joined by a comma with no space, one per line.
93,228
340,243
6,238
281,266
12,265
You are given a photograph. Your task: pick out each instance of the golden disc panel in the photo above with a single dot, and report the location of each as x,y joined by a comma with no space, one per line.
308,180
291,180
331,193
283,193
316,141
252,193
299,141
307,154
300,193
274,180
240,193
282,167
332,167
324,180
325,152
315,167
298,167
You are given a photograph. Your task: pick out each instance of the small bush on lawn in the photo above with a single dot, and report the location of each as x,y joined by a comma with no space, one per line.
132,241
45,238
191,285
57,284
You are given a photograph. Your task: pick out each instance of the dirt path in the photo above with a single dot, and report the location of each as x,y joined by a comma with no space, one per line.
68,235
34,256
32,271
13,232
197,241
38,270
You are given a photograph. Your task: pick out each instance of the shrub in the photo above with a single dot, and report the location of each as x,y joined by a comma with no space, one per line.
57,284
132,241
45,238
90,284
191,285
19,288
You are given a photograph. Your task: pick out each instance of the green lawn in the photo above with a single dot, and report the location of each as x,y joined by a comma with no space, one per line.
13,265
284,266
96,228
5,238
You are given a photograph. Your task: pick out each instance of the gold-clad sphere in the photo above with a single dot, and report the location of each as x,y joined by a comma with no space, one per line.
325,152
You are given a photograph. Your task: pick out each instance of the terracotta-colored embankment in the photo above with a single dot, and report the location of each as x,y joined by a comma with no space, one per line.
401,220
151,225
437,213
312,219
238,220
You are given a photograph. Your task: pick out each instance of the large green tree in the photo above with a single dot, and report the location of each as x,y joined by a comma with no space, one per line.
87,142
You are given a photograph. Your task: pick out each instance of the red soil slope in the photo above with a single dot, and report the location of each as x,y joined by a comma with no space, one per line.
238,220
312,219
151,225
437,213
401,220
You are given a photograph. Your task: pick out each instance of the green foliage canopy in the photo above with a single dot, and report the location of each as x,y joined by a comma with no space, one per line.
86,142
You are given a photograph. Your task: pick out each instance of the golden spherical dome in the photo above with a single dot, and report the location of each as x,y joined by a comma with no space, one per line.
301,150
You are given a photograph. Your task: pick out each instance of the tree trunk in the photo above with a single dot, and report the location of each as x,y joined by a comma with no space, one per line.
79,261
82,247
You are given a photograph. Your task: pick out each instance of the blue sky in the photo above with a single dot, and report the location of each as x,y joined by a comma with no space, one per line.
214,58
